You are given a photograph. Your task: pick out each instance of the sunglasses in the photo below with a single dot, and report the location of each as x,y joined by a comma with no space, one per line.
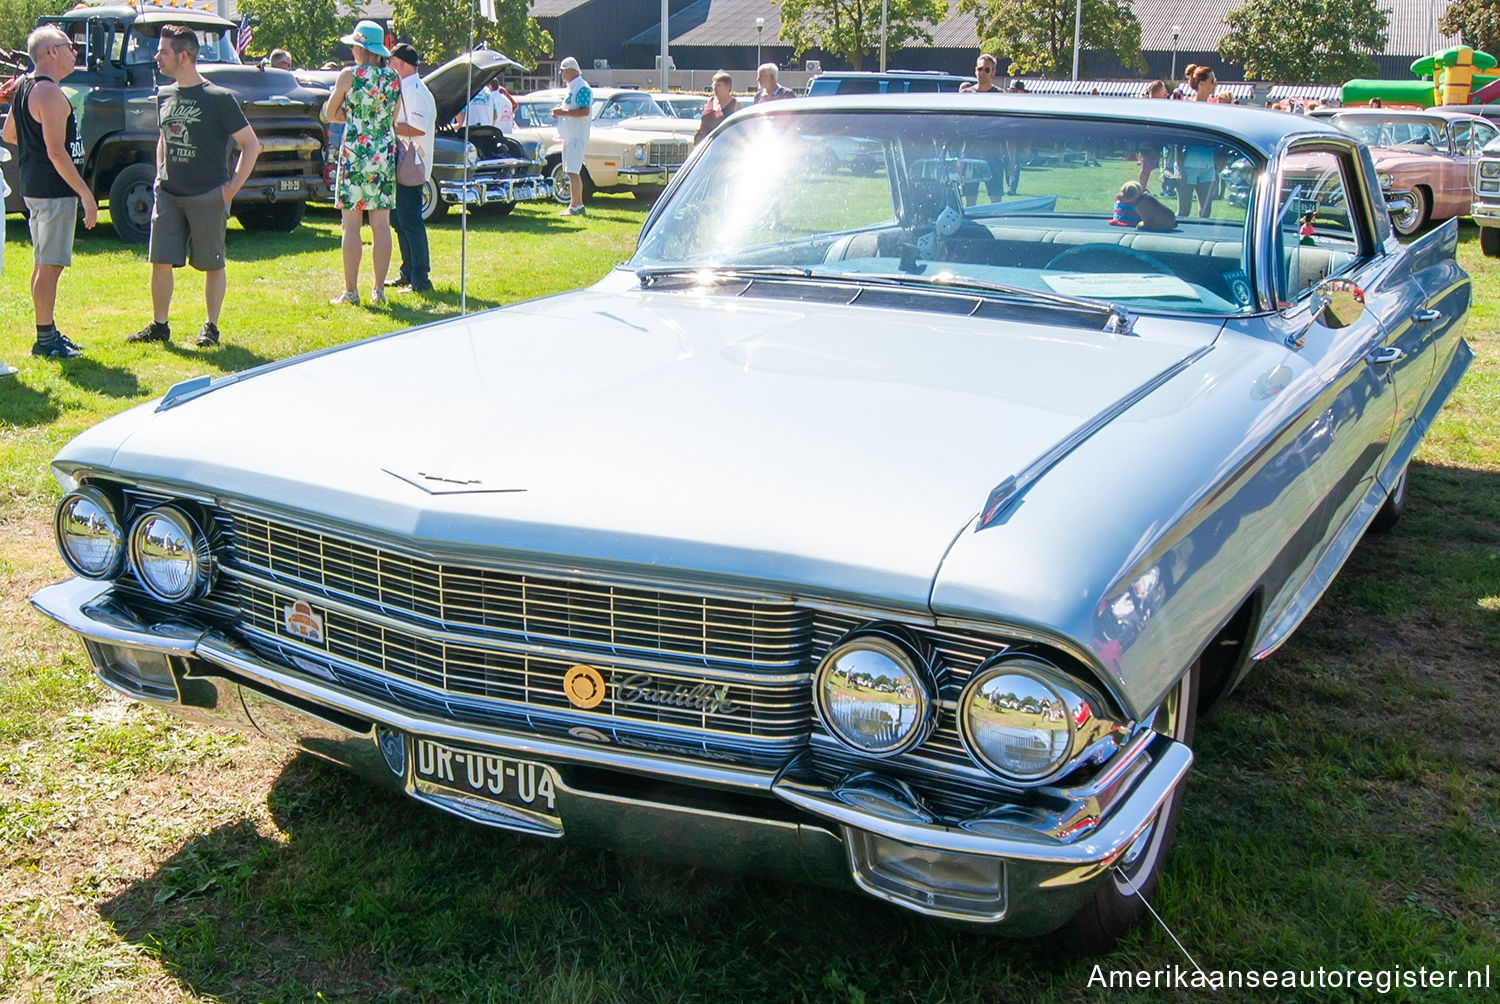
984,69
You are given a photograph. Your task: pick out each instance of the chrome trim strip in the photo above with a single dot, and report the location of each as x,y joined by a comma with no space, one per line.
457,635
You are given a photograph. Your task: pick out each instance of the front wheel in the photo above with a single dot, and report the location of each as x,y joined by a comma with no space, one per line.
131,200
1489,241
1408,221
1118,902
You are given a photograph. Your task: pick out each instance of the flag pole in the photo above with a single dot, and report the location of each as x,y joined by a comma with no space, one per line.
463,204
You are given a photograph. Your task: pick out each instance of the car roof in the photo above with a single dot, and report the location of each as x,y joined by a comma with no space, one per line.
1259,128
1451,114
553,93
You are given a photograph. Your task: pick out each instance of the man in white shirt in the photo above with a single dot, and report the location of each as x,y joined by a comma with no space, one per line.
573,120
480,111
418,123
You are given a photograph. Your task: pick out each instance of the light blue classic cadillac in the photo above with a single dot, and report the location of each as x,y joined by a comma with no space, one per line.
887,530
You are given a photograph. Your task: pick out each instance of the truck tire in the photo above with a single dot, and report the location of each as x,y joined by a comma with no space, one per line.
273,217
131,201
1489,241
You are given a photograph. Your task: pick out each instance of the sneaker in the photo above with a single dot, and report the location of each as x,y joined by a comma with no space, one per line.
377,296
420,287
54,348
209,336
348,296
68,341
153,332
6,371
400,283
573,211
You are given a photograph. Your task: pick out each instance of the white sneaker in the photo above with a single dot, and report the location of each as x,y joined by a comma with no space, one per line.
349,296
377,296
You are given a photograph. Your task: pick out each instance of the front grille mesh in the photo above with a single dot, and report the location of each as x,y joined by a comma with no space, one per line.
669,153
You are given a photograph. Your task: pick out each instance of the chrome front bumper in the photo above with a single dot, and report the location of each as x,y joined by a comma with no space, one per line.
1023,869
481,191
638,176
1486,215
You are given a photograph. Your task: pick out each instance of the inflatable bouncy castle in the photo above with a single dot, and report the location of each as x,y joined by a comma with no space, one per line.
1448,78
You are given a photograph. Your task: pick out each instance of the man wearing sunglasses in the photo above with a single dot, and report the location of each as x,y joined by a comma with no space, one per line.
42,126
984,73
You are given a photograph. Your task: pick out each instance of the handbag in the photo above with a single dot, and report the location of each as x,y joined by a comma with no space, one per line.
410,170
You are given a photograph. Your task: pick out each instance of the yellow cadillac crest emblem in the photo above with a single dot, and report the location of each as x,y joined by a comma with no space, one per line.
584,686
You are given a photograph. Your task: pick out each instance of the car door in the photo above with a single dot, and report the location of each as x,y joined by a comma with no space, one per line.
1347,423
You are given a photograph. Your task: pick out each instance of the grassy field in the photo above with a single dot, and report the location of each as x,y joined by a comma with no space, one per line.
1344,811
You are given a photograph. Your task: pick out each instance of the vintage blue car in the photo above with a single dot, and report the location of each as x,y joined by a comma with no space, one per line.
858,530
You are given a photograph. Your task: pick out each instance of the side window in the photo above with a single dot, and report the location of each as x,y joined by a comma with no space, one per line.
1317,231
1483,132
1461,137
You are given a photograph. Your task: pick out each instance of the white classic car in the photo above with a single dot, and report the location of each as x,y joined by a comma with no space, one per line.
633,144
846,532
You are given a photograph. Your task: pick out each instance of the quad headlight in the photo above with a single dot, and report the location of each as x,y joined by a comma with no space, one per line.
874,693
170,555
89,534
642,152
1384,180
1019,720
1489,168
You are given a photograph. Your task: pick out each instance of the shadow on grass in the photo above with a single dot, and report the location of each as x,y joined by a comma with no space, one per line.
226,357
90,375
371,895
22,405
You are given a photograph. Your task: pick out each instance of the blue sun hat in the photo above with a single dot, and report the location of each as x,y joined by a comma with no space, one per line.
368,35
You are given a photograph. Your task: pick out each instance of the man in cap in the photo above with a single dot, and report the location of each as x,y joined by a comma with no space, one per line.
417,123
573,120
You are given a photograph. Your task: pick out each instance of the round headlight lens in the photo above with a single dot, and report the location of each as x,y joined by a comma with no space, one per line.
170,555
471,154
874,696
89,535
1384,179
1015,722
642,152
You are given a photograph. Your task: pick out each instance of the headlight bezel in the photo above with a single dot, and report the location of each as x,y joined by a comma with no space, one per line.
101,499
642,152
905,653
201,564
1087,734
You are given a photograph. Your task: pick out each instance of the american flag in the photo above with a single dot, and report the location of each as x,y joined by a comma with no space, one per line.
244,36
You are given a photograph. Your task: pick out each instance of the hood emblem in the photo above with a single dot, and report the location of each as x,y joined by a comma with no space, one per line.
301,622
584,686
439,482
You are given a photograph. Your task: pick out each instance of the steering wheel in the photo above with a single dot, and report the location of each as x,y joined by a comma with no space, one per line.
1098,258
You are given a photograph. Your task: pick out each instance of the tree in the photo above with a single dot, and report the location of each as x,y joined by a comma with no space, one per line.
308,29
440,29
1036,36
1305,41
18,18
1478,21
850,29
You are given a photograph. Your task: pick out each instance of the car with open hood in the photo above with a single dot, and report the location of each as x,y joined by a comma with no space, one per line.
847,532
634,146
1425,159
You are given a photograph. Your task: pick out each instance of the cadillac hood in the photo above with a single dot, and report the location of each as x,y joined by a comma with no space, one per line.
820,450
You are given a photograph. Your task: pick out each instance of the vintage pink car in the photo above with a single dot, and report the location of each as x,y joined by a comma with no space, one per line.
1424,157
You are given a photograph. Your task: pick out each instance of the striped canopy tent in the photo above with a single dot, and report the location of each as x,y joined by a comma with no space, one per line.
1120,88
1305,92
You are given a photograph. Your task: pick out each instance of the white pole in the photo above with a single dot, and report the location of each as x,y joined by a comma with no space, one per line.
463,205
664,34
885,10
1077,33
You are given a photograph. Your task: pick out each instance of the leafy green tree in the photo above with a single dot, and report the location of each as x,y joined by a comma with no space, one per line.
440,29
850,29
308,29
1036,36
18,17
1478,21
1305,41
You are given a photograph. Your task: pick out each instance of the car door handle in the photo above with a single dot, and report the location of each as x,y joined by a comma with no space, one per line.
1385,355
1427,316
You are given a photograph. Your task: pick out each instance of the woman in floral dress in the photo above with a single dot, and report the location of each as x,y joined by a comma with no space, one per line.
367,99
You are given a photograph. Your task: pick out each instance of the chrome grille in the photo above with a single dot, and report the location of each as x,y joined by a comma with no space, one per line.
766,635
468,666
669,153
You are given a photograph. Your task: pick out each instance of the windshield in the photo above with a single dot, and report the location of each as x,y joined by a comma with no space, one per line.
948,198
624,106
1398,130
215,45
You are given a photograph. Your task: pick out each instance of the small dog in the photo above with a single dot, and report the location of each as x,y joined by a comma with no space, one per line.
1135,206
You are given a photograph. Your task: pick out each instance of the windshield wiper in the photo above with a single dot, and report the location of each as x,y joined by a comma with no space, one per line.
650,276
1116,317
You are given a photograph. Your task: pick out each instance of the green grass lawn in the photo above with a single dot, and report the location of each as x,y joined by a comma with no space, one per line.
1344,809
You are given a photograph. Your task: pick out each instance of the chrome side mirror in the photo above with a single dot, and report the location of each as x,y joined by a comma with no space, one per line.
1336,303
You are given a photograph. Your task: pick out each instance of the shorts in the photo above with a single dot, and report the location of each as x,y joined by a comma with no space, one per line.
52,224
1193,175
572,155
178,221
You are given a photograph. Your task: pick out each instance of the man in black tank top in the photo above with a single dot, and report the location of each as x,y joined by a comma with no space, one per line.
42,126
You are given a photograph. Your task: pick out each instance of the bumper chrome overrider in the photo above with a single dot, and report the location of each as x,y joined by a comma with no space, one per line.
480,191
636,176
1028,869
1486,215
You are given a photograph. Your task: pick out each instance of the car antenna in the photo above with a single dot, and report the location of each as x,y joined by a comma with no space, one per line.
1147,904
